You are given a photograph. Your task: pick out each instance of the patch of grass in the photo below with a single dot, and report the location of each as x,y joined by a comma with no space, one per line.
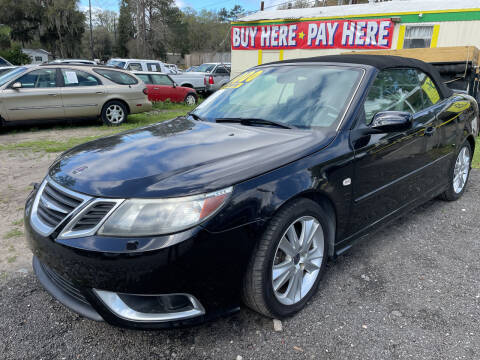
11,248
134,121
11,259
476,155
17,222
13,233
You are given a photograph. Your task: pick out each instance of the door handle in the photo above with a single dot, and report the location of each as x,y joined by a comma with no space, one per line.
156,88
52,94
430,130
99,92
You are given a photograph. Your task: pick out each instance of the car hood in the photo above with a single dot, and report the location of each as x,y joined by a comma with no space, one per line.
180,157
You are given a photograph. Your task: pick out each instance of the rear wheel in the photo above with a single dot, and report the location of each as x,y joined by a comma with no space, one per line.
114,113
289,260
459,173
190,99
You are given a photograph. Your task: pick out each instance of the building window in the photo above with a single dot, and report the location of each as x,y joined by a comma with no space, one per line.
418,36
38,59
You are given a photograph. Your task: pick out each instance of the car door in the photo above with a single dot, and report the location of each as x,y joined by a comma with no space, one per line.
164,86
153,91
393,170
83,94
39,96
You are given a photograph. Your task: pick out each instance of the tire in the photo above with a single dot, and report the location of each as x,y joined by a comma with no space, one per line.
258,284
114,113
190,99
458,182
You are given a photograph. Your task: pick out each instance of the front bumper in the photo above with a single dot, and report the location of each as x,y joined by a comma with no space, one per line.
207,266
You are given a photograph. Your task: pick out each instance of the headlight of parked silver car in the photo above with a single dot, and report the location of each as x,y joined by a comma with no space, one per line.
145,217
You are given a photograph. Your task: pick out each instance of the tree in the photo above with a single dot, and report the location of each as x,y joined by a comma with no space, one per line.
126,29
15,55
22,17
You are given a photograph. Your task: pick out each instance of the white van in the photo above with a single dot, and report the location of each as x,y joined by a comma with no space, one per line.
139,65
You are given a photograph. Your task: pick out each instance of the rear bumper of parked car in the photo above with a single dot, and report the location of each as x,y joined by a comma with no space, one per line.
139,105
195,280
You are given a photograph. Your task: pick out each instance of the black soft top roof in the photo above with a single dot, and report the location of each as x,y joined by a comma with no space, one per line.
381,62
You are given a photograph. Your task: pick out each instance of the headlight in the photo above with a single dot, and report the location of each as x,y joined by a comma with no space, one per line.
144,217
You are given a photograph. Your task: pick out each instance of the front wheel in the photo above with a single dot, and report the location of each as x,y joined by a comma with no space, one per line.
459,174
114,113
288,262
190,100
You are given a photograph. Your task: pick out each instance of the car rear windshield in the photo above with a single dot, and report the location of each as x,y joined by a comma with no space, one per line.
117,77
6,77
302,96
205,68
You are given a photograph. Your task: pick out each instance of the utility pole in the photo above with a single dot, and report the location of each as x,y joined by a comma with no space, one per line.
91,30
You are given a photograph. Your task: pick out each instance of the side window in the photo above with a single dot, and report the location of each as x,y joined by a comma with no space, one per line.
44,78
117,77
430,92
221,71
394,90
74,78
135,67
154,67
162,80
145,78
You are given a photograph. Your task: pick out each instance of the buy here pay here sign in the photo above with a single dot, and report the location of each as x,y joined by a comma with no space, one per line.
332,34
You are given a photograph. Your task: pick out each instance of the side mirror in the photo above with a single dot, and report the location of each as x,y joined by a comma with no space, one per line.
17,85
391,121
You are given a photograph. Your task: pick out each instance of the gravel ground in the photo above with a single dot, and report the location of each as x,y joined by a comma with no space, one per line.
411,291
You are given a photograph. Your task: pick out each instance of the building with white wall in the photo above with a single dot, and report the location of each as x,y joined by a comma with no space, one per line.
298,33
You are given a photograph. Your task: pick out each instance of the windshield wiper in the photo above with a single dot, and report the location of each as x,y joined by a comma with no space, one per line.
252,121
195,116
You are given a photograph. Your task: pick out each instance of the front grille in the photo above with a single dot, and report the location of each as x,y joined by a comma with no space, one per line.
55,205
92,216
64,284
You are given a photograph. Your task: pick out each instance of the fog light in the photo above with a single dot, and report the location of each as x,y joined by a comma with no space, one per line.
151,308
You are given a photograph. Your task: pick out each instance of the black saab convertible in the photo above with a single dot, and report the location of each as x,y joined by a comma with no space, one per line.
248,196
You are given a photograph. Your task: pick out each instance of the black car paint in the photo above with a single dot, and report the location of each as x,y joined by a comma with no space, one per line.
390,173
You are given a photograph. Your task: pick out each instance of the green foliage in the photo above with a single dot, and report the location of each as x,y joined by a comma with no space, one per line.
15,55
56,24
126,29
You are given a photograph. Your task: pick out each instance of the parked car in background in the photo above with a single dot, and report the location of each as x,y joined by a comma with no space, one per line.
4,62
200,78
6,69
139,65
218,77
65,91
74,61
191,68
248,196
161,87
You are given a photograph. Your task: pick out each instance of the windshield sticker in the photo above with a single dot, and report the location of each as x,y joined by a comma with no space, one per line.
243,79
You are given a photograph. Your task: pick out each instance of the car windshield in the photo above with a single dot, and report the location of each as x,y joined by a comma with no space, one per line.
116,63
6,77
205,68
301,96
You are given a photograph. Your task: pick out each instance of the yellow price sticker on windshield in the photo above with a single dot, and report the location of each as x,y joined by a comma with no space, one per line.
242,79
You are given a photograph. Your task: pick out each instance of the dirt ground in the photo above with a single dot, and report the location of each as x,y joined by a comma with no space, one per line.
18,170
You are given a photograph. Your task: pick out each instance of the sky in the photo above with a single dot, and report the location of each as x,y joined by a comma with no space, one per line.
196,4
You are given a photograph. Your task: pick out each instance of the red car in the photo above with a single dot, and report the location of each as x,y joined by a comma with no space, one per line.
161,87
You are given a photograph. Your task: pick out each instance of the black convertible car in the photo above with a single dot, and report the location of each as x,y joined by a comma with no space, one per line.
248,195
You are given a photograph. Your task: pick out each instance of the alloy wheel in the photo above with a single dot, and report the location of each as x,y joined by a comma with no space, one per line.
190,100
460,172
115,114
297,260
